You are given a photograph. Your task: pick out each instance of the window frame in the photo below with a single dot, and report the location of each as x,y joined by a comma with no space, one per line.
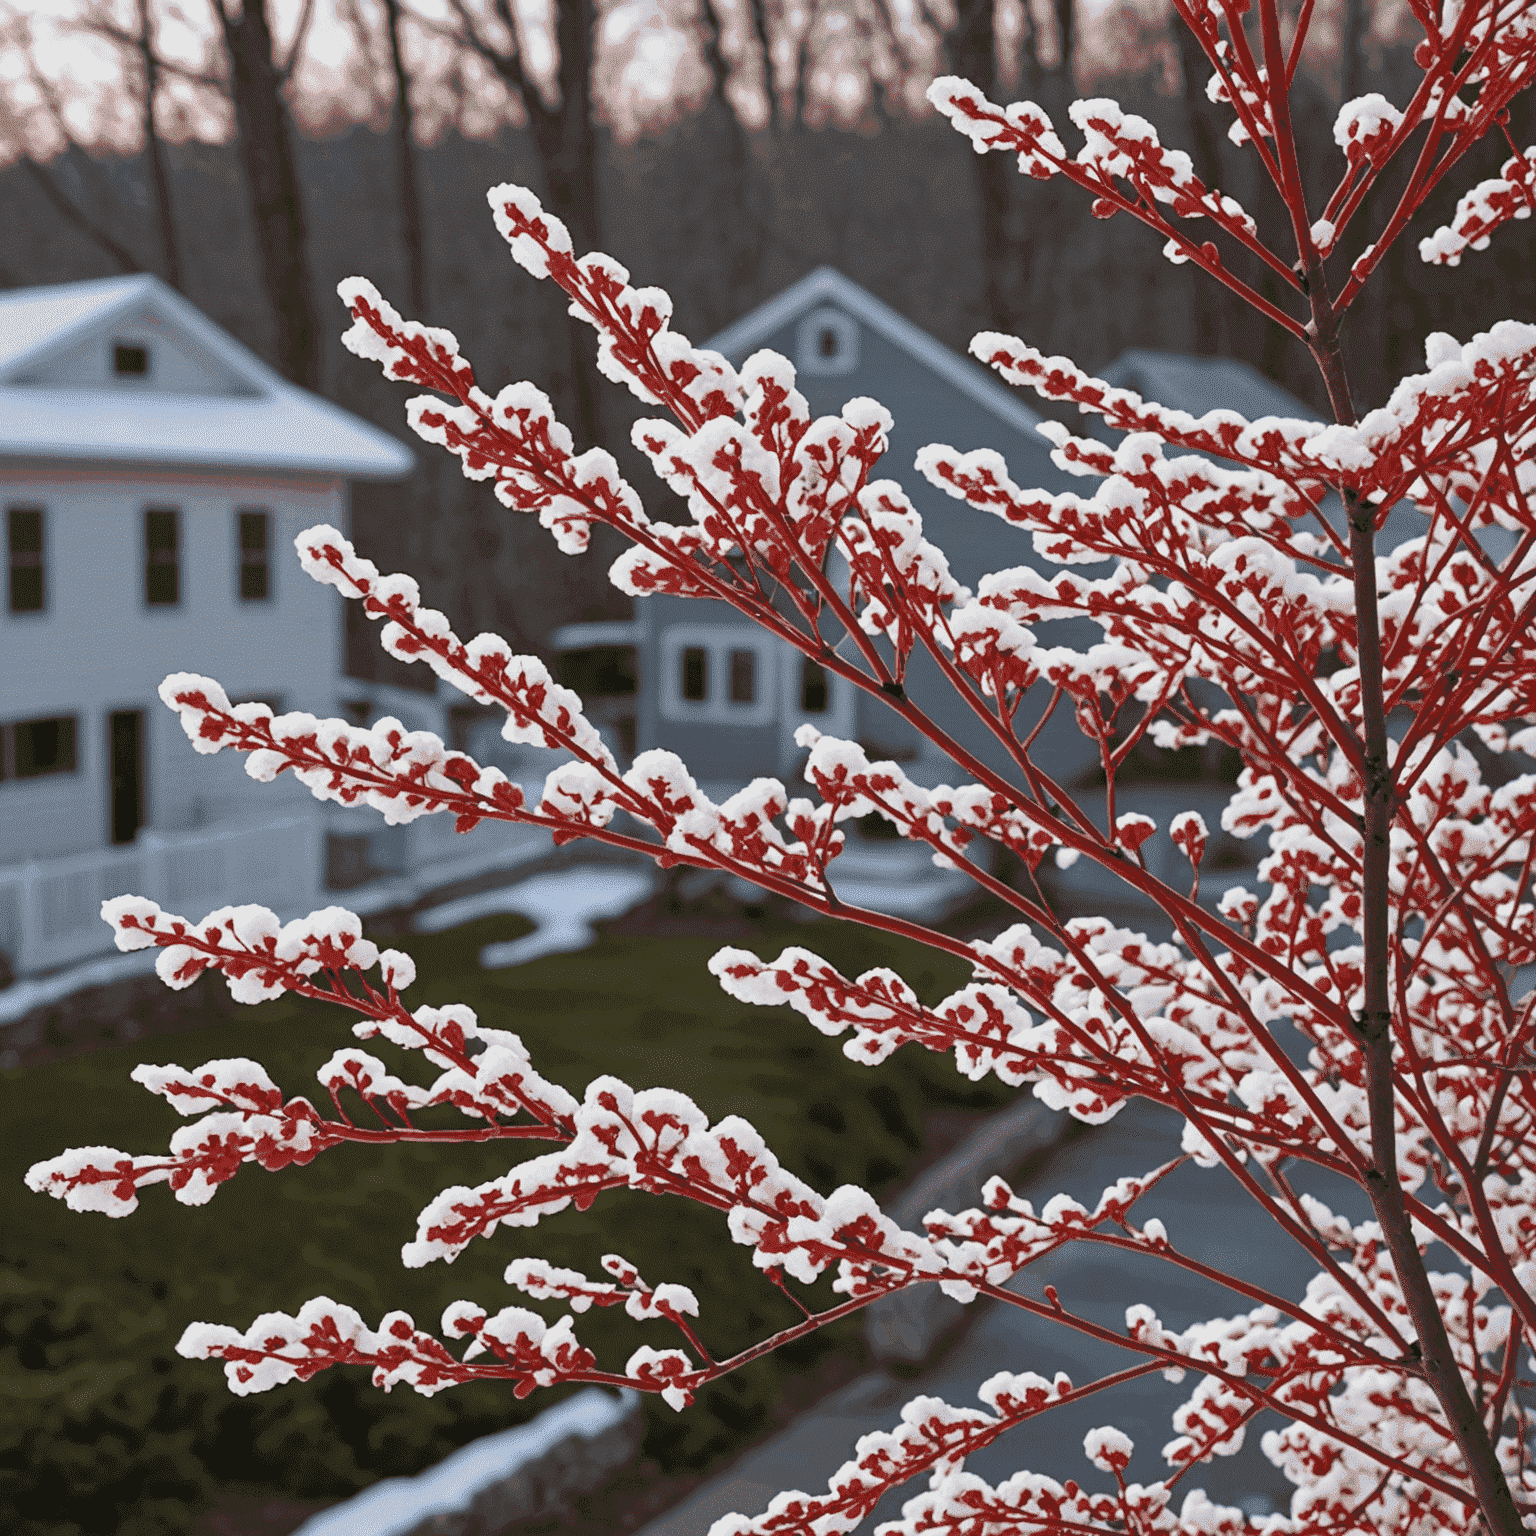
718,641
246,556
843,359
10,749
26,560
152,564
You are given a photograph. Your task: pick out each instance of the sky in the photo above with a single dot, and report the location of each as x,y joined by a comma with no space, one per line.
648,64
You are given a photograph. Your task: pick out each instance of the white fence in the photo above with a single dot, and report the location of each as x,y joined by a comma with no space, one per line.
50,912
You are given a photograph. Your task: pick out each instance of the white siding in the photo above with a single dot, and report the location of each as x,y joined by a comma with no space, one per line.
98,648
177,365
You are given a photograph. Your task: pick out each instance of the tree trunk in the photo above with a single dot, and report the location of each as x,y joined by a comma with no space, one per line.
271,172
972,48
1207,300
747,232
154,151
412,232
567,144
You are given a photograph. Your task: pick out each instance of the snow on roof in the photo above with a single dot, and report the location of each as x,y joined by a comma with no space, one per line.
34,320
258,421
827,285
1201,384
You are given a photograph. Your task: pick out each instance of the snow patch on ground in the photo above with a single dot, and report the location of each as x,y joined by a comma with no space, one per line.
401,1504
564,904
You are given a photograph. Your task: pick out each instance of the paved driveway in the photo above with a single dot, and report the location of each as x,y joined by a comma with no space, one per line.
1206,1214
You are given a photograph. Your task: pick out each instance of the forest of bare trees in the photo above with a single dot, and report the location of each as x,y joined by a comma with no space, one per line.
788,137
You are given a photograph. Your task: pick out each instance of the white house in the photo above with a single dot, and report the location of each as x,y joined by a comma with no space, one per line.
153,474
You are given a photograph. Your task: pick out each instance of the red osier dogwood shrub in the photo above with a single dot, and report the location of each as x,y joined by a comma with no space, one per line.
1398,901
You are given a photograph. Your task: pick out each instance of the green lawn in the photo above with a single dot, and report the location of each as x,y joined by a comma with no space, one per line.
104,1429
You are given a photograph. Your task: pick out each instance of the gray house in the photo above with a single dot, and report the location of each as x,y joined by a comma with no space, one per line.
695,677
727,697
153,474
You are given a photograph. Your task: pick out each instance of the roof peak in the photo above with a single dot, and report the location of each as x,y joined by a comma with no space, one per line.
826,284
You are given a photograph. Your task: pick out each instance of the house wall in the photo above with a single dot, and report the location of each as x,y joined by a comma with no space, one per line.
926,408
177,364
98,647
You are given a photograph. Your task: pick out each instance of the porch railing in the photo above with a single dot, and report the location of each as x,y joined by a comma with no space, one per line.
50,910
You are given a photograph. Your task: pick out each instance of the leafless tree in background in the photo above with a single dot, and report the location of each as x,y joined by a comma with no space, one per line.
264,126
412,232
973,48
565,138
139,41
17,42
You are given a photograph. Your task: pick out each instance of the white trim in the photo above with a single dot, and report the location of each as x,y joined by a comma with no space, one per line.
826,285
718,641
267,423
578,637
101,302
808,354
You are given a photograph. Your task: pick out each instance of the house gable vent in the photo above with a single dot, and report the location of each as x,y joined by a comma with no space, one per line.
827,342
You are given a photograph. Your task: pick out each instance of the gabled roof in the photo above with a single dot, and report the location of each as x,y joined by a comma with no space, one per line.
251,417
1201,384
826,285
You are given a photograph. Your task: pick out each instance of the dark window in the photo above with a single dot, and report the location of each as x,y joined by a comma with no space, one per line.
813,687
44,746
127,732
743,677
695,672
255,567
130,360
162,557
826,342
24,538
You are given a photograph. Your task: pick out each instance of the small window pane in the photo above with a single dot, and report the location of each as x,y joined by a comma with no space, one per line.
162,567
695,672
160,530
45,746
24,537
743,677
130,360
253,532
813,687
255,569
24,531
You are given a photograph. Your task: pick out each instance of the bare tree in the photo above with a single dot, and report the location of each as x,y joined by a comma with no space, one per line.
971,44
72,213
412,232
565,140
748,229
139,42
18,42
265,130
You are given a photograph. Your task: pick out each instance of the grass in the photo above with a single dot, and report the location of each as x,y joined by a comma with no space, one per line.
103,1429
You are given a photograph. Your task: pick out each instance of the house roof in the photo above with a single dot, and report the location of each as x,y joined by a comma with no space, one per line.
1201,384
246,417
827,285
